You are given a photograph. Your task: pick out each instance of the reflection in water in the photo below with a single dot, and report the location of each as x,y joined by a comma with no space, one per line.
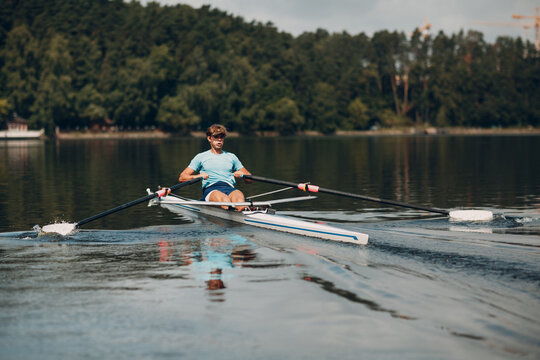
214,285
209,259
179,289
19,152
331,288
165,251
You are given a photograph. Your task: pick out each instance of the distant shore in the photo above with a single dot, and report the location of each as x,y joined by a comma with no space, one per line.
158,134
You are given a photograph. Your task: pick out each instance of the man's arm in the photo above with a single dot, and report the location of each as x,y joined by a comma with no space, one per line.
188,174
241,172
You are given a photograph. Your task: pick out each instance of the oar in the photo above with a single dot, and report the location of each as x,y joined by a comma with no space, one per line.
67,228
462,215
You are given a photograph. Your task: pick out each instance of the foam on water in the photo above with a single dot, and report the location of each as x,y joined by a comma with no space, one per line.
62,228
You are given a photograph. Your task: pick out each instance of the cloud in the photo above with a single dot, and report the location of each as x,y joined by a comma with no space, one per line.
369,16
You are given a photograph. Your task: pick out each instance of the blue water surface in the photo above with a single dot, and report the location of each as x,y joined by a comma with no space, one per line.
423,289
145,283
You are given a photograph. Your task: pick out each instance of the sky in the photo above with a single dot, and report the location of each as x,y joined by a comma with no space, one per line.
369,16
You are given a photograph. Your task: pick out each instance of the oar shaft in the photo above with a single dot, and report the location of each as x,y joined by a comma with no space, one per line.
134,202
312,188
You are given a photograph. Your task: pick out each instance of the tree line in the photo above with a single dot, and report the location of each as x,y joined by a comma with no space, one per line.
74,63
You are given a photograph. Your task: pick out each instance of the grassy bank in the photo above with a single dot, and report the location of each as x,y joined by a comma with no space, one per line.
157,134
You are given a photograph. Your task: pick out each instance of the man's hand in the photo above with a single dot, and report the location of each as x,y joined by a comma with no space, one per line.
240,173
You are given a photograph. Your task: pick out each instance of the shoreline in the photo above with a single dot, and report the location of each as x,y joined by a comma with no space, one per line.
158,134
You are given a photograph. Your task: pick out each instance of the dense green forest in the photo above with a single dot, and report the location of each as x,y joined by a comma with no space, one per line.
74,63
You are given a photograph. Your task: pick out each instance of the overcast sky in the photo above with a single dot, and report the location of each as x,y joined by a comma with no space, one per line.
369,16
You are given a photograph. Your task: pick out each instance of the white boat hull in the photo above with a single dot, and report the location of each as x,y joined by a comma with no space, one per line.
17,134
266,220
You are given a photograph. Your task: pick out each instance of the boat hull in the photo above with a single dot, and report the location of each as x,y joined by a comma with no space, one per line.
18,135
264,219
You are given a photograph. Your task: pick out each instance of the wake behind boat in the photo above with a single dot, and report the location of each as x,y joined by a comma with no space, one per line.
261,214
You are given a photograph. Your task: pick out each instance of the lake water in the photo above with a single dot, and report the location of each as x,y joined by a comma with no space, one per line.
147,283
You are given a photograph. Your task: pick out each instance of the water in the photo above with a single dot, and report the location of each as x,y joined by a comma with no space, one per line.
146,283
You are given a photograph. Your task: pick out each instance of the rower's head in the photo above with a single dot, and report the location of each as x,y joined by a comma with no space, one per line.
216,131
215,135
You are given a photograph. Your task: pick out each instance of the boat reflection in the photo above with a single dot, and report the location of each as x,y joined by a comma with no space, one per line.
19,152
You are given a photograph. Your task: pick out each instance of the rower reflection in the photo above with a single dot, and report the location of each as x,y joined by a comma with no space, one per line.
211,260
165,251
214,286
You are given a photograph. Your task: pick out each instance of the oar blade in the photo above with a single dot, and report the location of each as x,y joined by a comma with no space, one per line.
59,228
67,228
471,215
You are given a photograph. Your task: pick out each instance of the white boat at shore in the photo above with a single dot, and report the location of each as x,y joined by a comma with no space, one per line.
21,134
17,129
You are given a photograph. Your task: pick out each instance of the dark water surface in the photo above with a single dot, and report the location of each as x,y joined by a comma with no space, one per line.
146,283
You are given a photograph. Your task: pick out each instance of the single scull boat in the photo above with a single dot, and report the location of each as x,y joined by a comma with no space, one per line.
261,214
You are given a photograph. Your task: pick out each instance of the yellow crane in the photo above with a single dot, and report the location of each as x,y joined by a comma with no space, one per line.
536,19
423,29
525,26
497,23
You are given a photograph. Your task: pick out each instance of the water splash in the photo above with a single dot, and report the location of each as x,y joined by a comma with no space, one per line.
524,220
62,228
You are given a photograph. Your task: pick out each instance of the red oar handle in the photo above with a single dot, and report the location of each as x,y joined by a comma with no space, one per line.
308,187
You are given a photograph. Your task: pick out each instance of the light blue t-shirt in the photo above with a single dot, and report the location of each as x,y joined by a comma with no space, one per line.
219,167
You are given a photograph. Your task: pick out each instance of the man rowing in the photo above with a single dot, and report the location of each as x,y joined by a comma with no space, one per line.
218,168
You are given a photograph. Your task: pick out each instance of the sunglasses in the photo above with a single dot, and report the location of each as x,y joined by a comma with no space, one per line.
218,136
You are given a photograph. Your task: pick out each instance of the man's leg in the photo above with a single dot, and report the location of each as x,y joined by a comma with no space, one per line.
237,196
218,196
